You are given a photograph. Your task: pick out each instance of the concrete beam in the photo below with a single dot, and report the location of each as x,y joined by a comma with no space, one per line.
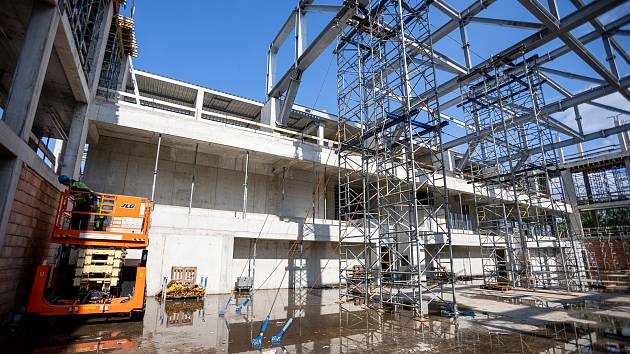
30,71
131,116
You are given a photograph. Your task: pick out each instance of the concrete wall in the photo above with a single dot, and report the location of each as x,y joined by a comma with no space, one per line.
223,258
213,236
320,264
219,244
126,167
26,244
212,255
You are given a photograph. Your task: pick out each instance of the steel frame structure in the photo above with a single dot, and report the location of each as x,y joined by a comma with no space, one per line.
369,97
550,27
392,165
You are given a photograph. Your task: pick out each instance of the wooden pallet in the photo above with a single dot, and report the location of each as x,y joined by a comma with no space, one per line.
98,267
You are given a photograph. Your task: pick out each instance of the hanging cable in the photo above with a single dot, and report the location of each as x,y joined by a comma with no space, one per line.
321,88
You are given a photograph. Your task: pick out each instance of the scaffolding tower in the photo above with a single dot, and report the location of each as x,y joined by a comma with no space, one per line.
395,238
524,232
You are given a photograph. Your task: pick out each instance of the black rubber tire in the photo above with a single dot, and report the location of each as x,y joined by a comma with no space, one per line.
136,315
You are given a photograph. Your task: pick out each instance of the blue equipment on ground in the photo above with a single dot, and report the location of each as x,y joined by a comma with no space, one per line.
225,309
256,341
278,337
240,307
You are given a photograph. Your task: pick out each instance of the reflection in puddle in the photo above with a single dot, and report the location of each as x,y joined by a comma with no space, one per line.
182,312
323,326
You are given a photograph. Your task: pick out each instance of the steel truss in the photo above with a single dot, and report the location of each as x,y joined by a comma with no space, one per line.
395,238
524,231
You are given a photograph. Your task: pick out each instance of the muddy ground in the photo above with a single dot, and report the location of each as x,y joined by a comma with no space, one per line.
515,322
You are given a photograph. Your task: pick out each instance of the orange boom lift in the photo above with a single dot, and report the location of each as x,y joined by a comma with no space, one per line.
95,272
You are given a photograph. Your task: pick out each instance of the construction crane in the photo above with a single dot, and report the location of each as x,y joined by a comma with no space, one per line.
95,272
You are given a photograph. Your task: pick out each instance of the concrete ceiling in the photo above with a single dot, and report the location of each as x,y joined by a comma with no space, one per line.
56,94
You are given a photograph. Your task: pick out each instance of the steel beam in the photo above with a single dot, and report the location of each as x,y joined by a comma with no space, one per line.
472,10
553,25
587,137
284,32
315,49
610,29
322,8
600,28
506,23
556,86
532,42
446,8
571,75
554,107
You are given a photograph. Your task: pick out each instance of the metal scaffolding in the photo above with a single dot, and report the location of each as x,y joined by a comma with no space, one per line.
395,239
524,232
85,18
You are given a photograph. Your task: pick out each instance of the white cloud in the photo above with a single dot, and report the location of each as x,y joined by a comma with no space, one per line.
596,118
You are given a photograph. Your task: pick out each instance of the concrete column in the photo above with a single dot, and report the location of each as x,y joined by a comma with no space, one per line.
621,137
571,197
30,71
269,113
10,169
320,134
448,161
71,165
199,104
73,153
124,74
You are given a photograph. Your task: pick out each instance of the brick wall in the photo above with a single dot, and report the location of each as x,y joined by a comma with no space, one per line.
26,242
611,255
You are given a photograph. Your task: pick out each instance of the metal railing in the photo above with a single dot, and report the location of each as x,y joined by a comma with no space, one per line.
126,98
462,221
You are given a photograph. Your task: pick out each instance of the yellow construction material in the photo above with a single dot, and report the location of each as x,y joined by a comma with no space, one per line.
176,290
128,35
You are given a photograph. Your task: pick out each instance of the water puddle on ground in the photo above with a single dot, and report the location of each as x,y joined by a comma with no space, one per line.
320,326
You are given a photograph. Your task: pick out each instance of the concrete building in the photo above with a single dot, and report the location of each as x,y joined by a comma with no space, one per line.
198,144
233,190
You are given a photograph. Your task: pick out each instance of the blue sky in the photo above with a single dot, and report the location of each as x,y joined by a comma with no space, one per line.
223,45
